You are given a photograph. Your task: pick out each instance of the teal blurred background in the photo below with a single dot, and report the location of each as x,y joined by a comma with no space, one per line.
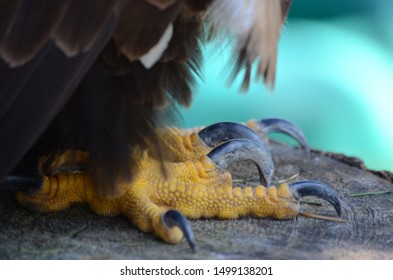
334,80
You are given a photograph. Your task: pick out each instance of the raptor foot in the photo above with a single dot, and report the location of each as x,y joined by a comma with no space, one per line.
196,184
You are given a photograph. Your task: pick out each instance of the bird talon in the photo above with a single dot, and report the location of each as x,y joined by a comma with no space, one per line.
243,149
173,218
25,183
266,126
314,188
218,133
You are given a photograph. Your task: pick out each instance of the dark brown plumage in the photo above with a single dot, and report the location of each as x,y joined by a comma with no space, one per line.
79,74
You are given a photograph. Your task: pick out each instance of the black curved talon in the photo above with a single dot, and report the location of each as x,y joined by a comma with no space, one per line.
267,126
173,218
314,188
25,183
244,149
221,132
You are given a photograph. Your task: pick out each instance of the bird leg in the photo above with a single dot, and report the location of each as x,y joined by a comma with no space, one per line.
196,185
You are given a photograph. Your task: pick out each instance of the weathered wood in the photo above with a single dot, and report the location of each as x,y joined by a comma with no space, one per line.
77,233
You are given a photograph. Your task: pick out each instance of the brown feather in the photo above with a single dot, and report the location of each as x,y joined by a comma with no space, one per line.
285,6
27,35
8,12
82,24
161,4
198,6
38,90
256,25
136,37
184,56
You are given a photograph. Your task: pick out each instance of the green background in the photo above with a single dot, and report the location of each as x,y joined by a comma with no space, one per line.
334,80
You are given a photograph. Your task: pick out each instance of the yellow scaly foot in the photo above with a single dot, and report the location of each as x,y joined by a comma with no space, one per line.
195,185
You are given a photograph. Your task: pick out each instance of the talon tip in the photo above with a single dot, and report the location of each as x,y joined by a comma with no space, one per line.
267,126
174,218
25,183
317,189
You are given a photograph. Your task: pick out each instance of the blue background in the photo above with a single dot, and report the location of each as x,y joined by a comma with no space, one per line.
334,79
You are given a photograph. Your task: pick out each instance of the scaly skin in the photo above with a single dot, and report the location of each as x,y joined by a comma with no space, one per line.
192,185
183,144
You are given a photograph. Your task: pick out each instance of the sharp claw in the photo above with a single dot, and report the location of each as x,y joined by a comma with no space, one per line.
267,126
244,149
221,132
314,188
26,183
173,218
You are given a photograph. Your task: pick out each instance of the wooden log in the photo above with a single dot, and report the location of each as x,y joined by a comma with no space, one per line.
366,233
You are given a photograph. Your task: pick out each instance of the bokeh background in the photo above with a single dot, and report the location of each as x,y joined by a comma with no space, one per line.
334,80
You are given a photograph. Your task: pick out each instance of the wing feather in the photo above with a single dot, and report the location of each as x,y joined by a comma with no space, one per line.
27,35
34,92
136,37
8,13
83,23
